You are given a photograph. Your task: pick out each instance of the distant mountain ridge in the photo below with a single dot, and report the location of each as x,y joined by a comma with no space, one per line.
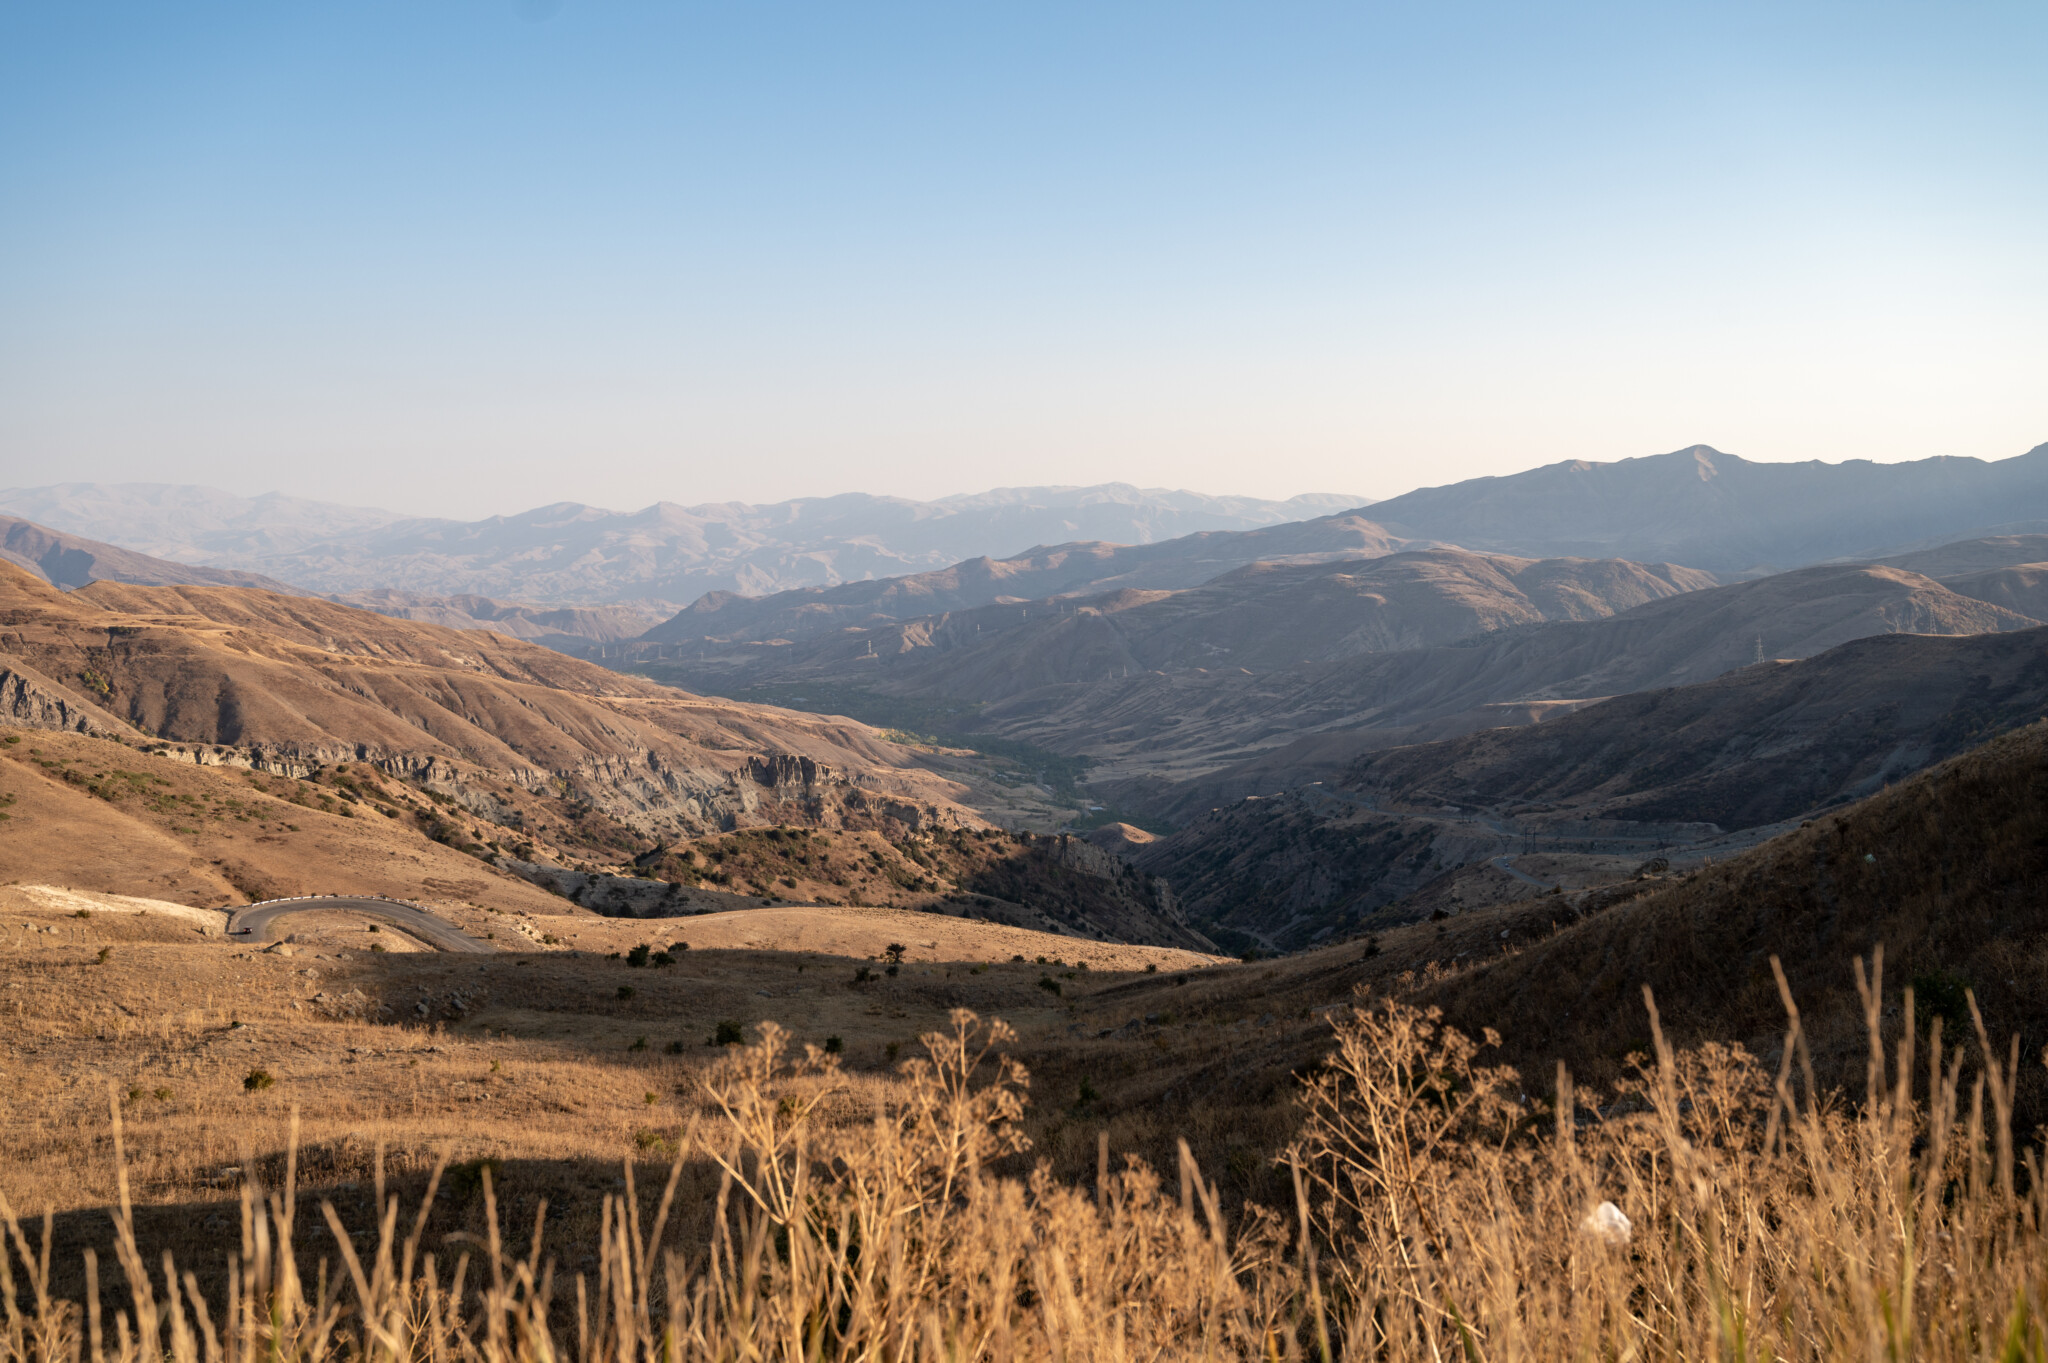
1706,509
572,554
1036,574
70,562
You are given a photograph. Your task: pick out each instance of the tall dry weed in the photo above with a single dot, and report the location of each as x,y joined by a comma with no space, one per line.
1709,1208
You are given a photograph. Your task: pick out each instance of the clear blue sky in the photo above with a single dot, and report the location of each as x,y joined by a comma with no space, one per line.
468,256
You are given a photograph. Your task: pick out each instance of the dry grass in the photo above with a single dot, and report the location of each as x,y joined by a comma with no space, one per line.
1439,1212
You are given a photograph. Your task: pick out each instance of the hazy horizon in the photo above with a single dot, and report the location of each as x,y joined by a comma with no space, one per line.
472,259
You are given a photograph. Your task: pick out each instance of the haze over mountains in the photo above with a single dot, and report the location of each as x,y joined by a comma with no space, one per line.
570,554
1584,651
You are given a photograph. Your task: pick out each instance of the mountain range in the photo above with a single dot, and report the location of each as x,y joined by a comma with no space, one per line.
1715,511
1165,687
571,554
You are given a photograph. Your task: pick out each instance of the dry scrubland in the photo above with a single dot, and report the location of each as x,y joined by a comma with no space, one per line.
97,814
1437,1211
1867,1183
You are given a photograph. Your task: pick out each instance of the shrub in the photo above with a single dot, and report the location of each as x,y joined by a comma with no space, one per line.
639,955
1942,994
729,1033
673,1048
834,1046
257,1080
639,1044
467,1179
625,992
1049,985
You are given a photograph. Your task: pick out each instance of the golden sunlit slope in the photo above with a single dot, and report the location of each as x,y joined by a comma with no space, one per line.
89,814
291,684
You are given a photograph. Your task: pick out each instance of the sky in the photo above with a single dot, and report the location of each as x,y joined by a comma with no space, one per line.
472,256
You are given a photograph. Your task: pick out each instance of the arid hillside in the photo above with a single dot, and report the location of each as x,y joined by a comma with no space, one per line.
291,685
69,561
576,630
1073,569
1164,727
1263,617
94,813
1657,773
1947,872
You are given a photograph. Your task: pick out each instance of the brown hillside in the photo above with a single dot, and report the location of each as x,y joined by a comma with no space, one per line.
1083,569
1633,777
2021,587
1964,557
1264,616
64,560
1947,871
292,684
1758,745
570,629
1182,725
90,814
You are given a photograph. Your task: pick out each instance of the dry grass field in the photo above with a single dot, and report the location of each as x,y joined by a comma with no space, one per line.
1128,1189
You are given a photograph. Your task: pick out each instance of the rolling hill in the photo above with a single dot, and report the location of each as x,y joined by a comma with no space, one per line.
292,684
1177,725
1947,871
71,561
1071,569
1265,616
1660,772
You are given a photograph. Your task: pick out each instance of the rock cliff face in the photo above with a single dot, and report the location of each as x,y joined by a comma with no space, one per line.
293,685
33,702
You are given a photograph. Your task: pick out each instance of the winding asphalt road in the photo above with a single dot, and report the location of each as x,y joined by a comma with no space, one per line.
253,923
1506,864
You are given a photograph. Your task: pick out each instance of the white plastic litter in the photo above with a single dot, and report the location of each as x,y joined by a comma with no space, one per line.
1607,1224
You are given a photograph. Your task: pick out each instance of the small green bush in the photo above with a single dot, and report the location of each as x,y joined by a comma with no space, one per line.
834,1046
256,1080
729,1033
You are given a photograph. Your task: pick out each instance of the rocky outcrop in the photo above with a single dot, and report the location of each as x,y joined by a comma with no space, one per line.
31,701
609,895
